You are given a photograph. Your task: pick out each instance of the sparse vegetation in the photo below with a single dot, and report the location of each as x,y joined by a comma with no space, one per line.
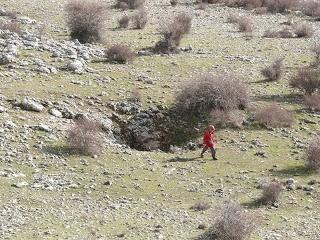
119,53
231,222
84,137
85,20
245,24
273,72
307,80
274,116
173,33
313,154
271,192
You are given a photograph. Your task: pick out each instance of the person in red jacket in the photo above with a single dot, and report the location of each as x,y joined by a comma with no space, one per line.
209,141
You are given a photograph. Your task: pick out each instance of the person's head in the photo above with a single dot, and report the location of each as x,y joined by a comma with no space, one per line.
211,128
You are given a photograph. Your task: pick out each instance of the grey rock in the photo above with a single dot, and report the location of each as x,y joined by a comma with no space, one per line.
30,105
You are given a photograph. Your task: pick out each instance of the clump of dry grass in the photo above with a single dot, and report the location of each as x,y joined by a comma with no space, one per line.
130,4
227,118
11,26
245,24
274,116
124,21
84,137
303,30
201,206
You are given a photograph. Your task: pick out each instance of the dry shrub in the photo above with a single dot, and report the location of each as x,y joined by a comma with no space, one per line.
140,19
285,32
232,222
124,21
135,96
273,72
307,80
201,206
119,53
245,24
173,33
227,118
313,154
261,10
85,20
211,92
271,192
130,4
274,116
84,137
303,30
312,102
11,26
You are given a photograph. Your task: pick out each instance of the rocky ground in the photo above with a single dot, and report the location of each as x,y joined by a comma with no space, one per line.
47,80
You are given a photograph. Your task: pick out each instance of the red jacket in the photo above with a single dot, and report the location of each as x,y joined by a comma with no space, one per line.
209,139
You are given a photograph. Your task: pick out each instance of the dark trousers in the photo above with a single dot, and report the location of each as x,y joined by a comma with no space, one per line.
213,151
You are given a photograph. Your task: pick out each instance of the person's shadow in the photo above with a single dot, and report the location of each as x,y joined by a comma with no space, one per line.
183,159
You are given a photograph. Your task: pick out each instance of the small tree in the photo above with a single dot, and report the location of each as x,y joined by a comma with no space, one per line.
85,20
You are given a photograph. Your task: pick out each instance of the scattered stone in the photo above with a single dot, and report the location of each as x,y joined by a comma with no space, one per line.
30,105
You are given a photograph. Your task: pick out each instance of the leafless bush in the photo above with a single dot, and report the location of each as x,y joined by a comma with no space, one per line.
274,116
312,102
271,192
119,53
245,24
232,222
227,118
211,92
173,33
307,79
273,72
303,30
285,32
261,10
130,4
311,8
313,154
85,20
140,19
124,21
201,206
84,137
11,26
